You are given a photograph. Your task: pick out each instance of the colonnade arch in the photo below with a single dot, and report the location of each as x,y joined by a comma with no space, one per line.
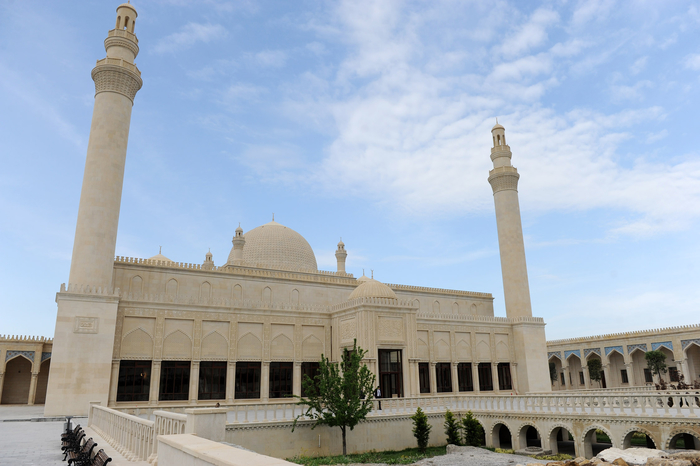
628,439
591,446
17,378
616,366
528,436
554,359
501,436
692,353
602,383
561,440
690,440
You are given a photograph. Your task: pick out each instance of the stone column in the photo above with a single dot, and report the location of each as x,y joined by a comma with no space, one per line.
433,379
494,376
296,379
155,383
2,378
606,371
514,376
32,388
630,374
265,381
230,381
194,382
455,378
682,365
114,383
586,377
475,378
565,370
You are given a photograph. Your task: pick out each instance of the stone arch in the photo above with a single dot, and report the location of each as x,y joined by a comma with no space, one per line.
42,382
554,442
676,433
137,344
616,362
281,347
416,303
502,351
443,351
463,350
267,295
436,307
586,440
214,346
177,345
311,348
639,363
626,438
171,288
422,349
692,353
524,438
136,285
237,292
17,378
575,369
205,291
294,297
249,347
455,308
474,309
501,435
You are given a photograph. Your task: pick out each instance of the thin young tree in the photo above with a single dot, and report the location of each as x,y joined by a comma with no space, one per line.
473,431
656,362
452,429
595,370
421,429
340,395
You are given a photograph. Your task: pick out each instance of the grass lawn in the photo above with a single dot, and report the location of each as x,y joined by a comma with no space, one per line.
408,456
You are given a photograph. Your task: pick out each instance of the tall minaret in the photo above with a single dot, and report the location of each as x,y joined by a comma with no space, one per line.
340,255
528,333
81,361
117,80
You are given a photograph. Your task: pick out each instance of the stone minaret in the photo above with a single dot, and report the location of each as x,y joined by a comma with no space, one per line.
341,255
81,363
238,244
528,332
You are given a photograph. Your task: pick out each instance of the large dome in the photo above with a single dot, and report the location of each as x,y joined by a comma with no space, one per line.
277,247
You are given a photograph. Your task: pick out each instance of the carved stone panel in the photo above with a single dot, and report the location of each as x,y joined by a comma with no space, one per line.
391,328
348,329
442,346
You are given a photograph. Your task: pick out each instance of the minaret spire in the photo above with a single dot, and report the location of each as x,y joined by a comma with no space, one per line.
341,254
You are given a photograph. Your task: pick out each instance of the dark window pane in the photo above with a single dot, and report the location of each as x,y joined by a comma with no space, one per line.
673,374
212,380
464,377
134,380
504,380
281,379
247,380
390,373
424,377
311,370
648,376
581,379
486,378
623,376
443,377
174,380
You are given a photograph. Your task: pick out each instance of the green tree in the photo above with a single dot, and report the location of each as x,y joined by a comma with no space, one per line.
452,429
656,362
473,431
340,395
421,429
552,372
595,370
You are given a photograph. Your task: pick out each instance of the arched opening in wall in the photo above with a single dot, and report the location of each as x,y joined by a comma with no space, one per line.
554,371
692,352
618,371
561,441
672,374
126,22
642,375
684,441
119,22
638,439
502,437
17,378
602,383
42,381
595,441
576,379
529,437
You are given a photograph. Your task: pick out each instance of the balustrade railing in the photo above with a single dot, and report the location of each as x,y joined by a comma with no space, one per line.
166,423
131,436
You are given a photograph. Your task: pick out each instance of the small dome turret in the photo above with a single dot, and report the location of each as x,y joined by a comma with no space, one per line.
371,288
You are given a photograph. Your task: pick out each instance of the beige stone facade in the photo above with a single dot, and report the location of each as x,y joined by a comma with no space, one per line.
24,369
155,332
622,356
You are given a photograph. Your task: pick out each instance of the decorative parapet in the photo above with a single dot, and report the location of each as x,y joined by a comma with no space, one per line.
504,178
463,318
423,289
88,289
122,38
637,333
384,302
24,339
526,319
117,75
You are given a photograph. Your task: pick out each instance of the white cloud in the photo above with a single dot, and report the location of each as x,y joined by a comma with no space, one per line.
639,65
590,10
189,35
271,58
531,34
634,92
692,62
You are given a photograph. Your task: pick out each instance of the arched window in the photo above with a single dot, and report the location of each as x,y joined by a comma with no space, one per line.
126,22
119,22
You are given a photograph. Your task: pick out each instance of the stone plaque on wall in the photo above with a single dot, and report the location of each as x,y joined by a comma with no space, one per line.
86,325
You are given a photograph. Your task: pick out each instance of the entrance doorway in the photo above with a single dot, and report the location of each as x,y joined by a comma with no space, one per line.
390,373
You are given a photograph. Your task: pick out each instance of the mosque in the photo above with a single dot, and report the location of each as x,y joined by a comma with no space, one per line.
145,334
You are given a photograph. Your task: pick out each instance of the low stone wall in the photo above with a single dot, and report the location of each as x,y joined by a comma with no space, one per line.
188,449
275,438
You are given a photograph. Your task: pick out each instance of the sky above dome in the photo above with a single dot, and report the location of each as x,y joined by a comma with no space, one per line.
371,120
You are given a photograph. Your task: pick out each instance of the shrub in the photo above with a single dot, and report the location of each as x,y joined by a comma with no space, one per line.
473,431
421,429
452,429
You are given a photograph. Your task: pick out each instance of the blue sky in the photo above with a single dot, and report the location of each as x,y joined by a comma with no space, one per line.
371,120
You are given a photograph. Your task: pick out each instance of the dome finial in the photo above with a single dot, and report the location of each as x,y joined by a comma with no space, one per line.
372,274
273,216
160,249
